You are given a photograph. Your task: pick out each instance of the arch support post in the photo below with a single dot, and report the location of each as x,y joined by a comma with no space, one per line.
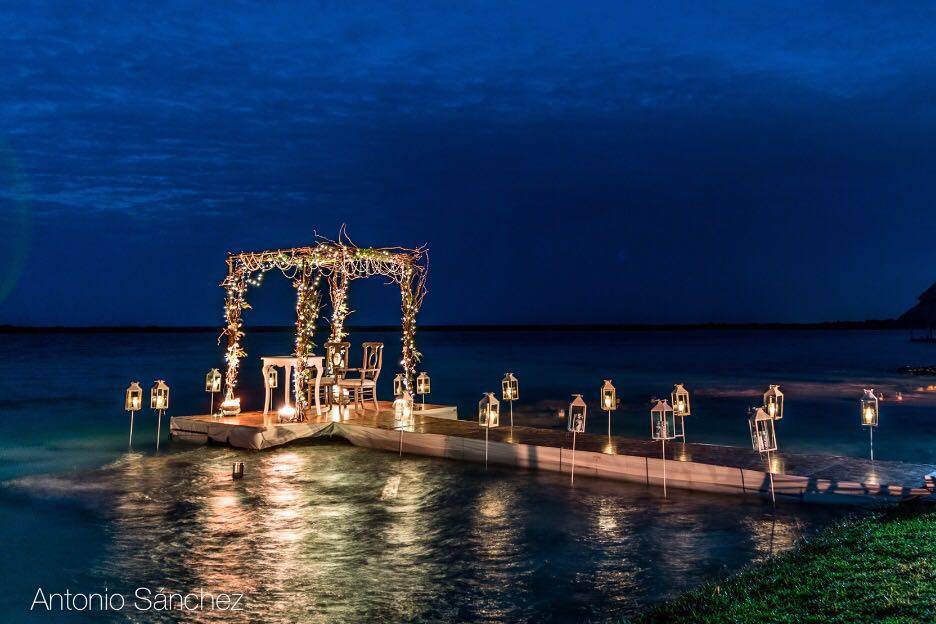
308,304
235,286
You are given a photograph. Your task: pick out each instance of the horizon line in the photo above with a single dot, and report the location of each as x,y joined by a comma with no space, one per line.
866,324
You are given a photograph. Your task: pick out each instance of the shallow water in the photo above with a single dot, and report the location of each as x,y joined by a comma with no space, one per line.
328,532
333,533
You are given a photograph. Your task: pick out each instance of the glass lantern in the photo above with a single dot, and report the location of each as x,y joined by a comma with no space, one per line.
662,421
403,410
272,377
773,402
398,385
510,390
578,412
680,401
159,396
763,434
489,411
870,409
608,396
134,400
213,381
422,383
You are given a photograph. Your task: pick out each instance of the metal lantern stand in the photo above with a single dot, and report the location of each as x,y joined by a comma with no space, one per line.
159,401
608,401
403,413
870,414
212,386
662,428
578,412
422,388
510,392
133,403
488,416
764,440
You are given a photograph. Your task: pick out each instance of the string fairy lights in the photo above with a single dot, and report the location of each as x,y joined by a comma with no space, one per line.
340,262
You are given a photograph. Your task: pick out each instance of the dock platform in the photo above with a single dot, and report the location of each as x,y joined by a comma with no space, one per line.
436,432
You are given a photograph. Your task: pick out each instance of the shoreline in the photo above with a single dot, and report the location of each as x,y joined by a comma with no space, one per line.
843,573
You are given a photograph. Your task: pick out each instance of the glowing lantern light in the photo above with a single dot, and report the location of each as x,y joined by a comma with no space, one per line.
272,377
870,414
422,387
159,401
510,392
609,401
287,413
134,400
679,399
488,416
159,395
133,403
773,402
231,405
398,384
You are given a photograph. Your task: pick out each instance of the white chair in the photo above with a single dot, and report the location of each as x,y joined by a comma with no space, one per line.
365,384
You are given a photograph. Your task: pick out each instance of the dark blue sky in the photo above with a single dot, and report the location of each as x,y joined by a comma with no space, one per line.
566,162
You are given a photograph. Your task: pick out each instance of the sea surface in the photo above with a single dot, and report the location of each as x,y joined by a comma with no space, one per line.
325,532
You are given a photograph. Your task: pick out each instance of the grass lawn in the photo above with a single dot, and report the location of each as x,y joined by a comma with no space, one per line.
877,568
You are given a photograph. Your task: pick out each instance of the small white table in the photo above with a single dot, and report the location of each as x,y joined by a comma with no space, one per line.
288,362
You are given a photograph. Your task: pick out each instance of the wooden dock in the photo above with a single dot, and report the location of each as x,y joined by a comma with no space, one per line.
436,432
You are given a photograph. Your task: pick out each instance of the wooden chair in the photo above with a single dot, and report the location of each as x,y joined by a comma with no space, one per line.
336,366
366,381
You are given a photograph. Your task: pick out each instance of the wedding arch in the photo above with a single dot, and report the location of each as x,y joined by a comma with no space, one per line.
339,263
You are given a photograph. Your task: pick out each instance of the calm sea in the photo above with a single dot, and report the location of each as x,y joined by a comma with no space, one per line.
327,532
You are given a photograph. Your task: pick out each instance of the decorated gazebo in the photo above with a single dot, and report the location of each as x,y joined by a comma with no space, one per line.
339,263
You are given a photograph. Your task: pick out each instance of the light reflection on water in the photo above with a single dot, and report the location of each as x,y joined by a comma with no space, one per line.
332,533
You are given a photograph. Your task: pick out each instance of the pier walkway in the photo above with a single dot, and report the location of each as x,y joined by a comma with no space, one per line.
436,432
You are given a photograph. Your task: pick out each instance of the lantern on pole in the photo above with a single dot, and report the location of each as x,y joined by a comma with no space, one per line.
398,385
159,401
488,416
133,403
608,401
662,428
773,402
764,439
402,414
510,392
422,387
870,414
679,399
212,386
578,412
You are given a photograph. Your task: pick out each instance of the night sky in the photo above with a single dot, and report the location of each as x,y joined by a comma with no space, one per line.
565,162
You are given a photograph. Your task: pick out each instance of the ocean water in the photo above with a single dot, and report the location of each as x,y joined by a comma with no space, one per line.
327,532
